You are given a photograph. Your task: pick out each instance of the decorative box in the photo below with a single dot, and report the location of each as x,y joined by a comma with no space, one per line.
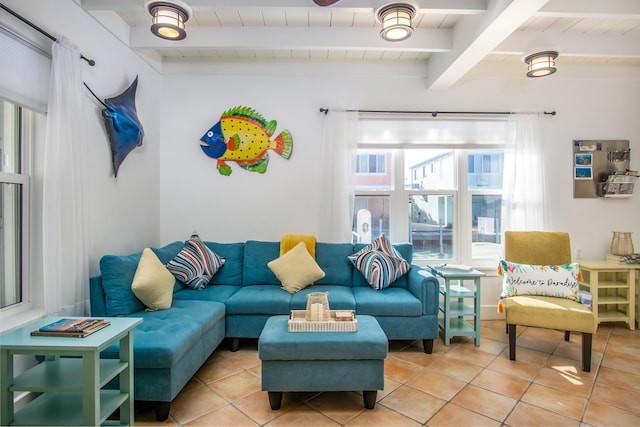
299,323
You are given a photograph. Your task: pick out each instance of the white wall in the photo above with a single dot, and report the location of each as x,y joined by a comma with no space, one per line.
245,205
124,210
248,205
169,188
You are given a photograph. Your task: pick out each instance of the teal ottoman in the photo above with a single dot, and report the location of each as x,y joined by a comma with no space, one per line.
322,361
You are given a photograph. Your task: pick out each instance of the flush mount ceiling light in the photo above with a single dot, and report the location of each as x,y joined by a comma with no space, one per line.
396,21
168,18
541,64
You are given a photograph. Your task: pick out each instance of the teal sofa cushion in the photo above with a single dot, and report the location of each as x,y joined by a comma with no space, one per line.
117,275
165,336
392,301
217,293
168,252
256,257
332,259
340,297
259,299
231,272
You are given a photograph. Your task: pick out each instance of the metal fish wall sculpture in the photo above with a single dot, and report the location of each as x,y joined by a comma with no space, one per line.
243,136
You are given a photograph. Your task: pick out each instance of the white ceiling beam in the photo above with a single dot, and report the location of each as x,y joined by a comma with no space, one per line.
461,7
571,44
343,38
610,9
475,37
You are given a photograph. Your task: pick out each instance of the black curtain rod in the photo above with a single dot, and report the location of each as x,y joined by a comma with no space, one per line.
434,113
40,30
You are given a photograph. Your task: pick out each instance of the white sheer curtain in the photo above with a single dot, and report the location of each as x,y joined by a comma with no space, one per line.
337,193
65,227
524,198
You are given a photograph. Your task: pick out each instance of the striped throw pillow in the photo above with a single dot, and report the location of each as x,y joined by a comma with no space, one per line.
196,264
380,263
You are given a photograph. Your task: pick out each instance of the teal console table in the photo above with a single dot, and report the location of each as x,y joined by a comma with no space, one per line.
454,305
71,387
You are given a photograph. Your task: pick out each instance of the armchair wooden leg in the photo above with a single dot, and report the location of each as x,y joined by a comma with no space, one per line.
511,329
567,335
587,339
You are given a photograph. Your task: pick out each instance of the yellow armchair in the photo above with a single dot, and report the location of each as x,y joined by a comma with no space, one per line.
545,248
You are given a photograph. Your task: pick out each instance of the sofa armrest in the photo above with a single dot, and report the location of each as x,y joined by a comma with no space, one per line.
424,286
97,298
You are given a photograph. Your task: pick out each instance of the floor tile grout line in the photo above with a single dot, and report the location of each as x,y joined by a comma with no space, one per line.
519,400
543,366
502,422
595,377
609,333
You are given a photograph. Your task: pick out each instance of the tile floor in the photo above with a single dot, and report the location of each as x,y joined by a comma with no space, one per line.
456,385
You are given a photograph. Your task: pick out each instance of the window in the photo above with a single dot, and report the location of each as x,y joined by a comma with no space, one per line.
485,191
371,163
371,217
18,127
449,203
14,196
24,87
372,169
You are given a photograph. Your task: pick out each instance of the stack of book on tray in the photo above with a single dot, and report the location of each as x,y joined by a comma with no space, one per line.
71,327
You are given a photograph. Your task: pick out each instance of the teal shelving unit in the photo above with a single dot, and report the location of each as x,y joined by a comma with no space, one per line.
71,388
459,301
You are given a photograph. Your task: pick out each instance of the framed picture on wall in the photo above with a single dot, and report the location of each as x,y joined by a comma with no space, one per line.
583,172
584,159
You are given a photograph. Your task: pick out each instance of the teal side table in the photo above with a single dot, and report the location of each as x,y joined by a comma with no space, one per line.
457,301
71,387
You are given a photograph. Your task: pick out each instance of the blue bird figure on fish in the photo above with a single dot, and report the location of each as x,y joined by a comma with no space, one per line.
243,136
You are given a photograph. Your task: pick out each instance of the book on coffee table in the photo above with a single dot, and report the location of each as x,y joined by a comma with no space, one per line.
71,327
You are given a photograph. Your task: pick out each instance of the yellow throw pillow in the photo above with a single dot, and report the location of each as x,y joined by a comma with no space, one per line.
296,269
290,241
153,283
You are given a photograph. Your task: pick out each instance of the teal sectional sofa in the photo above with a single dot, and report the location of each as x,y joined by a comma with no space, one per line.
171,345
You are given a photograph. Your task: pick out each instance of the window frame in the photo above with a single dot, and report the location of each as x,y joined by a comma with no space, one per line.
380,159
27,308
462,196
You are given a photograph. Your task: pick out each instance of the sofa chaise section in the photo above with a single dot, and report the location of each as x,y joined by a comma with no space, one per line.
170,345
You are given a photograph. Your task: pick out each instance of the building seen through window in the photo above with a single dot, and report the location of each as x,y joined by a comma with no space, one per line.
447,204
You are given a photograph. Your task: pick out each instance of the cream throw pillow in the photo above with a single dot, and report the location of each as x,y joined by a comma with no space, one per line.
296,269
153,283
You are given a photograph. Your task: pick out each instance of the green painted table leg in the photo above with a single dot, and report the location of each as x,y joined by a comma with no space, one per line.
6,380
126,380
90,388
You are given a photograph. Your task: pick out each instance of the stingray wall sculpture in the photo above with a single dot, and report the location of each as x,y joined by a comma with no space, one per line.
121,121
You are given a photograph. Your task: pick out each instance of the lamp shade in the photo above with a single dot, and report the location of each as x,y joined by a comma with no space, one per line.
168,19
396,21
541,64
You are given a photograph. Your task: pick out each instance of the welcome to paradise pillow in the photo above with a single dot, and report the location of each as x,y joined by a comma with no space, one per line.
560,281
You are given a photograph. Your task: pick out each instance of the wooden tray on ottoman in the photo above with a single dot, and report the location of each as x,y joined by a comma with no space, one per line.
298,322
